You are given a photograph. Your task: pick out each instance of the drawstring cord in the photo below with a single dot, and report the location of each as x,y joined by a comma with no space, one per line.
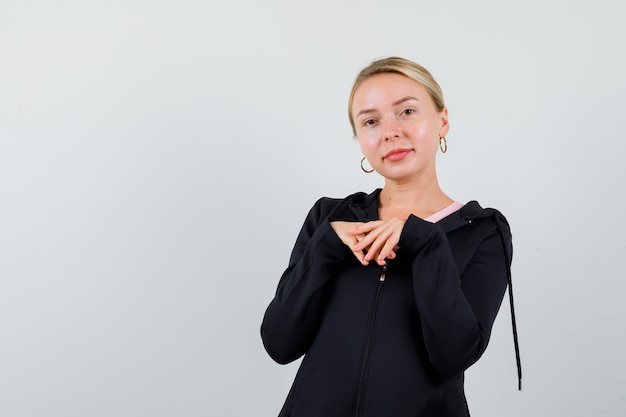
515,340
508,251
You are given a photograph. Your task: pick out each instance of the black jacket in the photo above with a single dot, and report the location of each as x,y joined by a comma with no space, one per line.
388,341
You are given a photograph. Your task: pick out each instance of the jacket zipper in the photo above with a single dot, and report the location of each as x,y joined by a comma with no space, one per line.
368,344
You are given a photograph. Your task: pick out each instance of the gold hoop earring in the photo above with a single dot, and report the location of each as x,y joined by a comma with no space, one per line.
363,168
443,144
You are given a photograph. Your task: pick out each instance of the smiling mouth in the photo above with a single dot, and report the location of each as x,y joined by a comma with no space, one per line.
397,154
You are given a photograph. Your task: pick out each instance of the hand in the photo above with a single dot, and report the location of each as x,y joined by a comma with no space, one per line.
344,231
380,239
372,240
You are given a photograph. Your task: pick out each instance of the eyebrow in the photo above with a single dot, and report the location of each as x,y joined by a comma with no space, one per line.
395,103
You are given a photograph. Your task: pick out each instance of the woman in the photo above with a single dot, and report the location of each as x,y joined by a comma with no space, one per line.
390,296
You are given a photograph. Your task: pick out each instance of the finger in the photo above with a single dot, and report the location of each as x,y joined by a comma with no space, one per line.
391,244
365,228
369,238
386,243
343,231
376,248
387,252
360,256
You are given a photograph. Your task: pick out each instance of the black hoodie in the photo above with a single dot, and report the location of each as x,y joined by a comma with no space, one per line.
389,341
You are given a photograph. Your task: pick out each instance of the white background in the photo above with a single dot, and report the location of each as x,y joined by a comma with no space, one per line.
157,159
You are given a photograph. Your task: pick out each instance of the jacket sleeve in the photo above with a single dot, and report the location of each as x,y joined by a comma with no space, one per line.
293,316
457,310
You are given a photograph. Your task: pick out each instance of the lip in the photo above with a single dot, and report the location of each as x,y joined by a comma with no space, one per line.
397,154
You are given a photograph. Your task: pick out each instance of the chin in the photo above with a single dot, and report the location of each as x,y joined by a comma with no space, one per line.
401,175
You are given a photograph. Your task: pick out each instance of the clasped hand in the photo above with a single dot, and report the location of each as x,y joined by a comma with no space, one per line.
376,240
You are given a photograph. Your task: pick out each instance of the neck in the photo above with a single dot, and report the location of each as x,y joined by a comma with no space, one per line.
420,197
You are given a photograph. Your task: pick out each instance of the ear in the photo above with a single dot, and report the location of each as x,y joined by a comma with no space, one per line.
445,125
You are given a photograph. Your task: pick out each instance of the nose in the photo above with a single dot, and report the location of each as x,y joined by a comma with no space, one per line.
391,130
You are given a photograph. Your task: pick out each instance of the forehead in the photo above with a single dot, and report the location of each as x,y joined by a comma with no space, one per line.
386,88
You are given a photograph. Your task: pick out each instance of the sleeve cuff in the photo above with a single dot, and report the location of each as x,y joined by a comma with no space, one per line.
416,234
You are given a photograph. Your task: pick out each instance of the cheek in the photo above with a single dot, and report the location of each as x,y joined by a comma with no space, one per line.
424,131
367,145
427,135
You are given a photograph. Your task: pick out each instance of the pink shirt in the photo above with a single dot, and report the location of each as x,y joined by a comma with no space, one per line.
434,218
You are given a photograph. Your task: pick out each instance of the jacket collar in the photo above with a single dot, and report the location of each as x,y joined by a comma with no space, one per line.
365,208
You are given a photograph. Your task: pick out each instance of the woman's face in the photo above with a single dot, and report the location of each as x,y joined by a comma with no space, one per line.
398,126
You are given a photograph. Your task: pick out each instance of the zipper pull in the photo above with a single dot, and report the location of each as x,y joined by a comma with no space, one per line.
383,273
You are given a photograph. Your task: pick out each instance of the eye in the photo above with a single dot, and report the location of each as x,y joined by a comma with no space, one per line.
369,122
408,112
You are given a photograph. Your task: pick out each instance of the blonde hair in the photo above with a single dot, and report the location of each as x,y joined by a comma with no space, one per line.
396,65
